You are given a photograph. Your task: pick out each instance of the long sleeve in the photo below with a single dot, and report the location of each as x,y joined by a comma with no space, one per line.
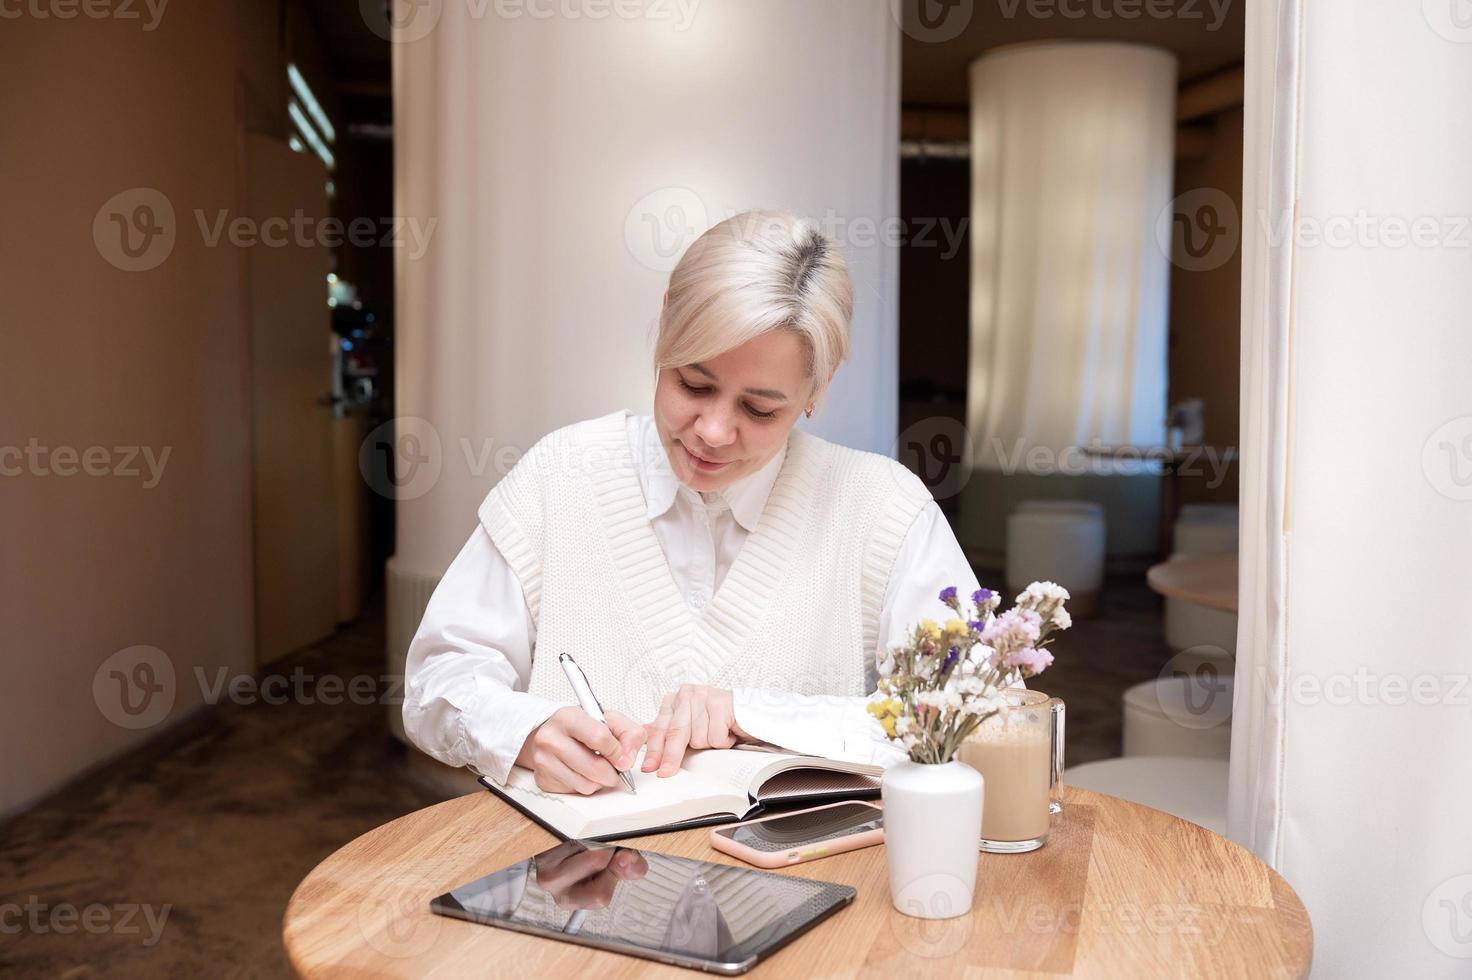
465,700
929,559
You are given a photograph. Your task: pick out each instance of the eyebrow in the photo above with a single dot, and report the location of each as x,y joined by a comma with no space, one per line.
759,392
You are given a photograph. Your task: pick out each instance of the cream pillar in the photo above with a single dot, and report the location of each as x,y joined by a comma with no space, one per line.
1353,712
568,153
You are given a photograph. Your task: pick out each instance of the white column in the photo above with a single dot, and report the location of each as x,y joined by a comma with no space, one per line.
1353,725
568,153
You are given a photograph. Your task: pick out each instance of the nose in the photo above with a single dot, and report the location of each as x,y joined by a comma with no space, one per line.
715,428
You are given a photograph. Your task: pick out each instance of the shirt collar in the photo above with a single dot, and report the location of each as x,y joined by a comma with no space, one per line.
747,496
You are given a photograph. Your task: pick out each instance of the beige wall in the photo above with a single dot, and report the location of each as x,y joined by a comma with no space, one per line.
96,356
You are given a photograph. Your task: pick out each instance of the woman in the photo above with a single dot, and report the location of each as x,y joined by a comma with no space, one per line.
716,573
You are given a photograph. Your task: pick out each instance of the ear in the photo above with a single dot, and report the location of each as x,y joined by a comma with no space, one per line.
666,303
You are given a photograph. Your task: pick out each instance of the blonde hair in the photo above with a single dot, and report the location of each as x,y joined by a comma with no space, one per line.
756,272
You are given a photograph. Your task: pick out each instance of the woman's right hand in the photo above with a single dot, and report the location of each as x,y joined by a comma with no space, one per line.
571,752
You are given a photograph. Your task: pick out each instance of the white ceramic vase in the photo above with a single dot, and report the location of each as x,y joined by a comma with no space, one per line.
932,822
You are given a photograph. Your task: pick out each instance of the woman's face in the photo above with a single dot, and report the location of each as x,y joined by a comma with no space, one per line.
726,417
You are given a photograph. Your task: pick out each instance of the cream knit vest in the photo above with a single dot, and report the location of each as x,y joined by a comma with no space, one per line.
796,612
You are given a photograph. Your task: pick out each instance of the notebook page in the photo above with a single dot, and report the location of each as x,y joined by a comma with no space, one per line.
683,796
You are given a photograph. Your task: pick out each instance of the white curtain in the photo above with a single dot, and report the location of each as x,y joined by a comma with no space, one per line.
1353,713
567,161
1072,154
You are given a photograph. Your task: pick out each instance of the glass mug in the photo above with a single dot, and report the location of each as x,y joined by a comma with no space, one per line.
1020,756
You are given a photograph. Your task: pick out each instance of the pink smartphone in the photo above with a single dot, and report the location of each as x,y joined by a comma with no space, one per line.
803,835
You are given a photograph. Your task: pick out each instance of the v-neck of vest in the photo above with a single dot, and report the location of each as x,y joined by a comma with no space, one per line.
719,631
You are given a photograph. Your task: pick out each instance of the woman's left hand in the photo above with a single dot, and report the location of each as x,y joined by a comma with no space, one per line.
694,717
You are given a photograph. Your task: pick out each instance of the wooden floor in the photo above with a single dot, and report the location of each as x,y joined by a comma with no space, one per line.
216,822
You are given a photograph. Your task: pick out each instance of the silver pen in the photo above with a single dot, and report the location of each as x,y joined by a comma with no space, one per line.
588,701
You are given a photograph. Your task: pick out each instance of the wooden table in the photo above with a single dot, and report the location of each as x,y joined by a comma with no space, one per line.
1207,580
1120,891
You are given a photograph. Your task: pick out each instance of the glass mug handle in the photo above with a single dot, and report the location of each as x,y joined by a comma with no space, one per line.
1055,776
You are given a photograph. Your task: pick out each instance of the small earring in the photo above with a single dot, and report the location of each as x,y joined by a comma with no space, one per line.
810,411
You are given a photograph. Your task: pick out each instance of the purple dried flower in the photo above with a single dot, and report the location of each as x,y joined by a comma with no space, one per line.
948,593
981,595
977,625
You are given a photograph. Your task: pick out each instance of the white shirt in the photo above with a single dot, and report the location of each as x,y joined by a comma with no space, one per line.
469,663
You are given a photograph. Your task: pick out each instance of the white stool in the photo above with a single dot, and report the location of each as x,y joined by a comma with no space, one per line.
1059,545
1192,789
1185,715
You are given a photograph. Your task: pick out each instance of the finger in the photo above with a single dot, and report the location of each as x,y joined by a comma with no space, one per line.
575,869
561,779
593,733
677,738
718,728
629,865
591,767
656,734
699,720
630,735
594,893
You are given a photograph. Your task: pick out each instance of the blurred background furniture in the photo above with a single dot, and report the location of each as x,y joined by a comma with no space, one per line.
1058,541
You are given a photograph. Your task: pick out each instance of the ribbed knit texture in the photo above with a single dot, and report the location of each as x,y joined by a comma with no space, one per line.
796,612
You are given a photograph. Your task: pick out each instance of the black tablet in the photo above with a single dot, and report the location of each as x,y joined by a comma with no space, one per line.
677,910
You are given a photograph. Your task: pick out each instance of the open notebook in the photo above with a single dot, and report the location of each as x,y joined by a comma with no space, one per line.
713,786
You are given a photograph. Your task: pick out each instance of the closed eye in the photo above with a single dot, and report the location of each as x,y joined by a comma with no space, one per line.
704,390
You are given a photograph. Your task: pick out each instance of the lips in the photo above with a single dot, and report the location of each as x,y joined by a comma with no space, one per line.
701,463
